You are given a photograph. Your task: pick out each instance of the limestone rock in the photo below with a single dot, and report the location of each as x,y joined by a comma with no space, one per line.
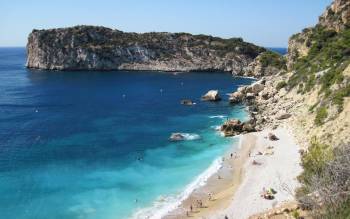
101,48
212,95
236,97
235,127
283,116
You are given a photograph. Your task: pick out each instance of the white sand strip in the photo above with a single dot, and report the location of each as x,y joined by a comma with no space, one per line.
277,171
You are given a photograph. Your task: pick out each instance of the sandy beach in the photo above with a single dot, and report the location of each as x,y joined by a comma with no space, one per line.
235,190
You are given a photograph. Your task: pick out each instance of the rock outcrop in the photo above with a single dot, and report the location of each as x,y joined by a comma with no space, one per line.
236,127
100,48
212,95
337,16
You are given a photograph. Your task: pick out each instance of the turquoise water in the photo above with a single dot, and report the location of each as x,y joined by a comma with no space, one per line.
95,144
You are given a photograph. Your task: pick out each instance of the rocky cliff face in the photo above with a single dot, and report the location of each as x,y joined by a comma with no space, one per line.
100,48
336,18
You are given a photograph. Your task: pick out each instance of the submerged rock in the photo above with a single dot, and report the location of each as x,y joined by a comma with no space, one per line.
212,95
187,102
177,137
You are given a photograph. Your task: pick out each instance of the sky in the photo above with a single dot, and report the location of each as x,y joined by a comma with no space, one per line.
266,23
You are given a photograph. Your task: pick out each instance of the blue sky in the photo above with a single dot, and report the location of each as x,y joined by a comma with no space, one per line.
263,22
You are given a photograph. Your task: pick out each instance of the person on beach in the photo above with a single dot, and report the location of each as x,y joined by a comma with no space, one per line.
191,208
209,196
231,155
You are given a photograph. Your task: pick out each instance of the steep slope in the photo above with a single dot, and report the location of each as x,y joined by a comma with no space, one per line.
313,98
316,92
100,48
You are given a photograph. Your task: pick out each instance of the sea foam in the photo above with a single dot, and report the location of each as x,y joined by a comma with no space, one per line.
164,205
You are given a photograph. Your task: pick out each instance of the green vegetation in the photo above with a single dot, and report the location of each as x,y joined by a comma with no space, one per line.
329,52
315,161
273,59
328,56
338,96
281,85
321,115
326,181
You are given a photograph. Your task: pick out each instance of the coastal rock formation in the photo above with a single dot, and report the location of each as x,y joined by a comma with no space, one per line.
337,16
236,127
212,95
335,19
248,93
100,48
266,63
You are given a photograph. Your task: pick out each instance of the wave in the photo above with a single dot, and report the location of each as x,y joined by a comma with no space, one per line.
218,116
164,205
190,136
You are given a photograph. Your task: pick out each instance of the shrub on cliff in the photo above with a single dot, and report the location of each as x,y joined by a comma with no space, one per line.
281,85
328,50
321,115
326,181
273,59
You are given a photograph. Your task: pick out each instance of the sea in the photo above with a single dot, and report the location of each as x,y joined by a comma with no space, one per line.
95,145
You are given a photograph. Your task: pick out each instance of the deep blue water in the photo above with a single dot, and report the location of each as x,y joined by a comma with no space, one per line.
281,51
88,144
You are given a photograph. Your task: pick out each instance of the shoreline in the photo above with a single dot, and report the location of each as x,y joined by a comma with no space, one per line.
221,184
238,183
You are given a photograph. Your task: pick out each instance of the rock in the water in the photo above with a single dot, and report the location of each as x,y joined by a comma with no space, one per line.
212,95
177,137
187,102
236,97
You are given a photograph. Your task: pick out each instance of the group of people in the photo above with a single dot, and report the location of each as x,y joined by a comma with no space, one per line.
199,204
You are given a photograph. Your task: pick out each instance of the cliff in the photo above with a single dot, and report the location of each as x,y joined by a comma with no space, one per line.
335,19
313,98
100,48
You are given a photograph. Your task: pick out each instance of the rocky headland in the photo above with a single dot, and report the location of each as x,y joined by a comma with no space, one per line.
101,48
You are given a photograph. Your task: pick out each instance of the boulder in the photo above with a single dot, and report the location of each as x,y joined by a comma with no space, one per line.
235,127
212,95
265,95
248,127
272,137
242,89
250,96
283,116
235,97
187,102
257,87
